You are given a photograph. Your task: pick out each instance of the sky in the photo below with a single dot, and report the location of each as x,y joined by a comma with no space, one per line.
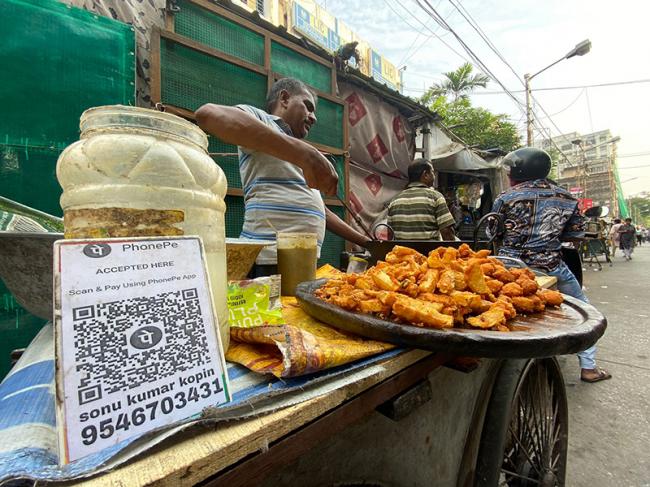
530,35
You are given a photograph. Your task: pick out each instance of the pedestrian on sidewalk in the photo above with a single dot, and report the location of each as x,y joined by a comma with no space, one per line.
614,235
539,215
627,233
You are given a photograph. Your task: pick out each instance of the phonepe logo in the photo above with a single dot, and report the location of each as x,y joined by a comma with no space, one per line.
146,337
97,250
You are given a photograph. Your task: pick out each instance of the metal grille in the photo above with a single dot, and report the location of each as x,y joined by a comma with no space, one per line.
217,32
290,63
340,170
190,78
330,252
229,164
329,126
259,4
47,80
234,216
28,175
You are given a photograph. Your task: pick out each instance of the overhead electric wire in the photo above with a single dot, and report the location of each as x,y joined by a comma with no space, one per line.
555,88
451,12
483,36
636,154
565,108
429,29
407,55
436,16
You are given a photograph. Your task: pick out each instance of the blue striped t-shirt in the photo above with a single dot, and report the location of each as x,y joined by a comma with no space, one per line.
276,195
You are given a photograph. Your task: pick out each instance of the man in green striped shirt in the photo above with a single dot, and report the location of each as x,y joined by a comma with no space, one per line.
420,212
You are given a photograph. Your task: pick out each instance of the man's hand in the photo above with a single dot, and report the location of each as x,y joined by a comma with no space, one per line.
320,174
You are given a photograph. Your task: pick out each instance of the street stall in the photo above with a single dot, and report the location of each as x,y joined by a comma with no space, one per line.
399,413
352,382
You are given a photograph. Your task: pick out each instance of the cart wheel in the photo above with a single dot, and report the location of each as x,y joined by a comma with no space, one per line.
524,438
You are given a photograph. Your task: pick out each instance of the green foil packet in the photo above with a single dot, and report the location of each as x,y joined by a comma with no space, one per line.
255,302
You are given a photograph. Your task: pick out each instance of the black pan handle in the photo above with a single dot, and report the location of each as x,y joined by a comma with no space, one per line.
391,232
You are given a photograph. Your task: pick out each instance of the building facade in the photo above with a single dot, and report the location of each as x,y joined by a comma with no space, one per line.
588,167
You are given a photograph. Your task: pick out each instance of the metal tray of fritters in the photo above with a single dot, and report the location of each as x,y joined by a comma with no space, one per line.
570,328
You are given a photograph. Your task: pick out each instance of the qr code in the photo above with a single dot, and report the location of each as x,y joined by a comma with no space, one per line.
124,344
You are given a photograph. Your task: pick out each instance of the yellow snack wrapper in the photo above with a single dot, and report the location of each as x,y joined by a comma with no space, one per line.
255,302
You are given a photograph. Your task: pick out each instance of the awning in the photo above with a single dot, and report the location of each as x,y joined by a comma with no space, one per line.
456,157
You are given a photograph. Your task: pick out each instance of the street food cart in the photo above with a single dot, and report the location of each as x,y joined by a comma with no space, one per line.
402,416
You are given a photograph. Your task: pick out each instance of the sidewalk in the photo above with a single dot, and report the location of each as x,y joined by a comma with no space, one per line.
609,429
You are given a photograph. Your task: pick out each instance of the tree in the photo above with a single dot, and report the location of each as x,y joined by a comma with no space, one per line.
477,126
639,207
555,157
458,84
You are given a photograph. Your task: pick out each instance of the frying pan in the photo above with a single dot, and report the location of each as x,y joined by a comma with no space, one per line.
379,248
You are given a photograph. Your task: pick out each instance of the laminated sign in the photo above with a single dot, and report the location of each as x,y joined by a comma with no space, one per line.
137,347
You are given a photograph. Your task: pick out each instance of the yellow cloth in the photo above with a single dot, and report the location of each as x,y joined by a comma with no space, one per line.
303,346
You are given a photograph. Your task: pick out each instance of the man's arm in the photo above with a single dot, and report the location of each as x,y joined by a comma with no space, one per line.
448,233
234,126
574,231
342,229
443,217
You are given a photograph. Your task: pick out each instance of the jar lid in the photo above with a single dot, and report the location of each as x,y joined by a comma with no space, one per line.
140,119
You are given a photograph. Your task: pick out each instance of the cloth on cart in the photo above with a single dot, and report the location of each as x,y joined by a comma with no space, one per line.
303,345
28,435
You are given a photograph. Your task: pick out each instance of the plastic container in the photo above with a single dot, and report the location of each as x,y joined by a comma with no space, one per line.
297,258
139,172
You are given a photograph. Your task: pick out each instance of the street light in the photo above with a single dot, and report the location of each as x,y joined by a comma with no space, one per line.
581,49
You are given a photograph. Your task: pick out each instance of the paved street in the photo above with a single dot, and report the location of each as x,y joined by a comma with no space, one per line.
609,439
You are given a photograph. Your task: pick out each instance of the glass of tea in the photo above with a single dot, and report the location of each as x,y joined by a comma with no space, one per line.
297,257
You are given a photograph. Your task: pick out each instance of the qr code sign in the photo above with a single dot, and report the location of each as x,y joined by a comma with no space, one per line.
123,344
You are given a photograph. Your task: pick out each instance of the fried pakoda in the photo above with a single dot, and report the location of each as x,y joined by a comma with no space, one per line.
494,285
512,289
495,316
551,297
447,281
504,275
421,312
384,281
528,304
488,269
528,286
449,287
428,280
476,279
524,271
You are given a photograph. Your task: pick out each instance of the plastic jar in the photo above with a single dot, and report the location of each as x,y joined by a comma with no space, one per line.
138,172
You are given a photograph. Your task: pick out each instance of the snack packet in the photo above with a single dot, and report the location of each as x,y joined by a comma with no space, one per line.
255,302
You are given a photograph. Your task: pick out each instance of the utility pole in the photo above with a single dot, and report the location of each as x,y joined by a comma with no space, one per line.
529,113
612,183
581,49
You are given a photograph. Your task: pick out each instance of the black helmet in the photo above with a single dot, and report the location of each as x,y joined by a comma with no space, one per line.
528,163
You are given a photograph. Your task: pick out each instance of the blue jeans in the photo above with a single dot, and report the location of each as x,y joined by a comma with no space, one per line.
568,284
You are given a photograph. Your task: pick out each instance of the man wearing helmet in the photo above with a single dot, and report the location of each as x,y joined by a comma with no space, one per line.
538,216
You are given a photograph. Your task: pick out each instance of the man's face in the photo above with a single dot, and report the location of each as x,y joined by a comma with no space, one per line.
298,111
428,177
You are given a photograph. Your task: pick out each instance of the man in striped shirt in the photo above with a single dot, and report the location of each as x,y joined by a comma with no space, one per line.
281,175
420,212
